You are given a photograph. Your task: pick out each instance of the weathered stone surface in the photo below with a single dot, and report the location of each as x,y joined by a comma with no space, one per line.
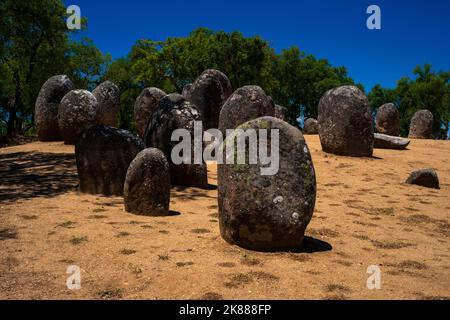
108,99
281,113
311,126
47,104
345,122
147,184
77,112
425,178
246,103
383,141
268,212
103,156
421,125
145,105
186,89
175,112
388,120
208,93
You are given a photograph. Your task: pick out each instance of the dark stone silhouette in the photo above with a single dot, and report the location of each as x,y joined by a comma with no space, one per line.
145,105
421,125
311,126
383,141
108,99
147,184
345,122
388,120
208,93
246,103
268,212
47,104
425,177
175,112
281,113
77,112
103,156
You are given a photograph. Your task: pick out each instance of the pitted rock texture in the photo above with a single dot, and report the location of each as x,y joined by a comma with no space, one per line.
311,126
281,113
147,184
345,122
421,125
175,112
77,112
108,99
245,104
47,105
388,120
146,103
208,93
268,212
425,177
103,155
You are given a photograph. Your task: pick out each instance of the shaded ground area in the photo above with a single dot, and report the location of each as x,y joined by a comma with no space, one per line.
365,215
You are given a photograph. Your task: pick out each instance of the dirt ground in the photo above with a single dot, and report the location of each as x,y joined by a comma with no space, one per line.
365,215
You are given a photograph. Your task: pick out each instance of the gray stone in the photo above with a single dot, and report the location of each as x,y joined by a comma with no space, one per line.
108,99
147,184
47,105
281,113
186,89
145,105
421,125
383,141
425,177
103,155
345,122
77,112
388,120
311,126
268,212
245,104
175,112
208,93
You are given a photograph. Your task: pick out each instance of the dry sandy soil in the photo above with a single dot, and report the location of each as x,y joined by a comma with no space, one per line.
365,215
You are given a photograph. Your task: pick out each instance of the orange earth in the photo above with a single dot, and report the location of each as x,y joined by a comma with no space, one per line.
365,215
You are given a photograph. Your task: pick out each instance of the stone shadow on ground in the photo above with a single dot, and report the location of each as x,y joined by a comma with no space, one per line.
26,175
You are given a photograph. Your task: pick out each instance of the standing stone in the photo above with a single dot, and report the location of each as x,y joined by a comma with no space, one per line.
208,93
145,105
186,89
147,184
103,156
47,104
388,120
175,112
425,177
311,126
108,99
245,104
268,212
345,122
421,125
281,113
77,112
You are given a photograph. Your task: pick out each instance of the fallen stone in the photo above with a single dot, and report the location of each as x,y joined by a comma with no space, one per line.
383,141
425,177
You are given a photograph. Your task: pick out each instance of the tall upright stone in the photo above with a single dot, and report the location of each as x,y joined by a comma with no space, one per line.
146,103
245,104
103,155
108,99
208,93
281,113
345,122
47,105
270,211
175,112
77,112
421,125
388,120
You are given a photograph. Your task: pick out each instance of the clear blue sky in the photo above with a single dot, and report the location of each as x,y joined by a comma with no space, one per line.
413,31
